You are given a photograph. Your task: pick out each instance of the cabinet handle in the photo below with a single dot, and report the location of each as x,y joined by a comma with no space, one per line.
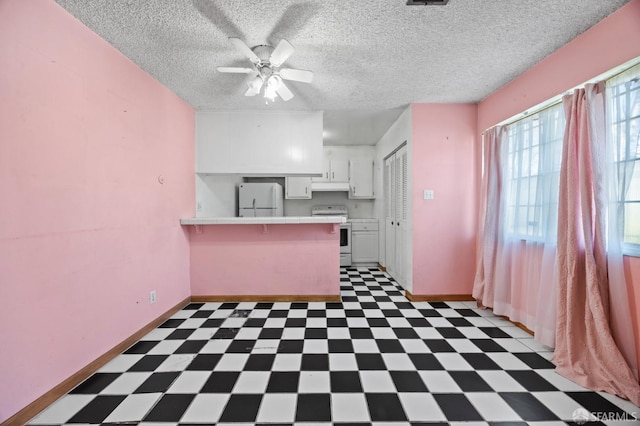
306,188
327,175
398,223
392,222
354,189
333,175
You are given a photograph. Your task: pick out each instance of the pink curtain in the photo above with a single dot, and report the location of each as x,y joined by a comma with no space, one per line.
514,277
586,352
489,218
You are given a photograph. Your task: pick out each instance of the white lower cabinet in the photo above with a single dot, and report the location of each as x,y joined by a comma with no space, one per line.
298,187
364,242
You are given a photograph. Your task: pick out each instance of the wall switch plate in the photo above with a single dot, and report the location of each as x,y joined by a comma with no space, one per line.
428,194
152,297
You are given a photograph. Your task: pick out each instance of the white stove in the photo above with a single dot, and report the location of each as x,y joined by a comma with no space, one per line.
345,229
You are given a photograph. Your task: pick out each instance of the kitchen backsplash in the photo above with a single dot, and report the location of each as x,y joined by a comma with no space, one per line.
358,209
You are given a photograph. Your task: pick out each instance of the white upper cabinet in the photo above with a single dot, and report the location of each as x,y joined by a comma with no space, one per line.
297,187
336,170
361,179
259,143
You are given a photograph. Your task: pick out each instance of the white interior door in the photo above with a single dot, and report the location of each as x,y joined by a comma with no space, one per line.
401,216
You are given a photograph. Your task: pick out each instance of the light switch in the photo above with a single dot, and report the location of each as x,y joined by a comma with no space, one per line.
428,194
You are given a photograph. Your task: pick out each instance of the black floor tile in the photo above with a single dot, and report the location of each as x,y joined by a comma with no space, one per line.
314,362
98,409
315,333
271,333
259,362
220,382
204,362
148,363
597,403
528,406
283,382
142,347
495,332
534,360
241,408
370,362
291,346
389,346
488,345
385,407
450,333
95,383
425,362
361,333
457,408
241,346
345,381
532,381
340,346
191,347
180,334
158,382
313,407
439,345
470,381
480,361
408,381
171,323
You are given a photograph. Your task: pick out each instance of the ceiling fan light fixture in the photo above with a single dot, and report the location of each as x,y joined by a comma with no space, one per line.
271,87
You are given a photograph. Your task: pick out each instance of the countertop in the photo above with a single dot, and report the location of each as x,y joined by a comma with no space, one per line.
260,220
371,220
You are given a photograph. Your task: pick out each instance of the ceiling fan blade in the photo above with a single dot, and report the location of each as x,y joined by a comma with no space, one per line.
283,50
284,92
235,70
303,76
244,49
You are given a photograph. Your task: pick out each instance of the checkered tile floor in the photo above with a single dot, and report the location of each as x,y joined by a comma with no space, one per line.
373,359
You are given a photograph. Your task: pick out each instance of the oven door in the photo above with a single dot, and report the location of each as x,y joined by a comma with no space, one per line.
345,238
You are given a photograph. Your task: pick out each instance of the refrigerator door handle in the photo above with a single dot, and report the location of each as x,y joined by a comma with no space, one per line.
254,208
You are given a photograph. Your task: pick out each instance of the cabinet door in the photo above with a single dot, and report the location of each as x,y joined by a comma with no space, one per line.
361,179
326,172
298,187
364,246
339,171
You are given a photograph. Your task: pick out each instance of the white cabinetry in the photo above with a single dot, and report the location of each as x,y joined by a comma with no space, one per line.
298,187
334,171
259,143
361,179
364,242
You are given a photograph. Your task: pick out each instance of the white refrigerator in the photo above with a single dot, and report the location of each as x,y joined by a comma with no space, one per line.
260,199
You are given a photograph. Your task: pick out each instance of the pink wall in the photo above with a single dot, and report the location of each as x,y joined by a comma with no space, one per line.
287,260
86,229
610,43
443,159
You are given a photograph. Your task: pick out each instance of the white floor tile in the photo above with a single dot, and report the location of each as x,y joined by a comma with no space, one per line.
133,408
508,361
275,322
216,346
338,333
383,333
126,383
480,321
232,362
296,333
265,346
202,334
206,408
62,410
233,322
449,313
439,322
316,323
121,363
287,362
398,362
158,334
463,346
472,333
453,361
192,323
500,322
377,381
315,346
176,362
561,404
428,332
492,407
277,408
347,407
501,381
535,345
314,382
439,382
248,333
189,382
421,407
414,346
252,382
560,382
166,347
517,332
513,345
357,322
343,362
365,346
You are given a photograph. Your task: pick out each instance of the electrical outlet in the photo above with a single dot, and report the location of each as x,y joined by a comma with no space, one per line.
428,194
152,297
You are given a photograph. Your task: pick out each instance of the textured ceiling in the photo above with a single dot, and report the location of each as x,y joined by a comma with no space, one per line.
371,56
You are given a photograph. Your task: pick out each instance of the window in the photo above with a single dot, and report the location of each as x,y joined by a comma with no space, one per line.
531,175
623,96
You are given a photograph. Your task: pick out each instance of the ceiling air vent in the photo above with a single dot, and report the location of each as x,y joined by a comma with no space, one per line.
427,2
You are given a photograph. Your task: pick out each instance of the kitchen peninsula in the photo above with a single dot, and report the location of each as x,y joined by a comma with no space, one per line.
264,258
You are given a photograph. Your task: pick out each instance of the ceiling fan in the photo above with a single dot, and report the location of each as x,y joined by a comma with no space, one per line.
269,76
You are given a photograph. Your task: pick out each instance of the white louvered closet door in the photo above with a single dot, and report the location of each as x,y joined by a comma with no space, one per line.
396,216
390,214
